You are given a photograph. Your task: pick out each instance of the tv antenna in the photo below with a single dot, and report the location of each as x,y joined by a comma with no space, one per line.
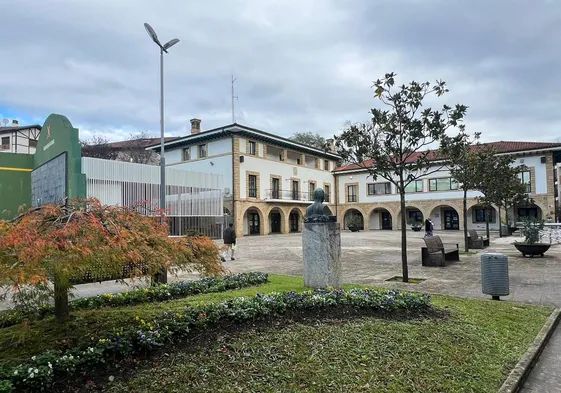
234,97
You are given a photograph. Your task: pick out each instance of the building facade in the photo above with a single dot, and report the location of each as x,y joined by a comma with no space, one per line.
375,204
272,180
19,139
269,179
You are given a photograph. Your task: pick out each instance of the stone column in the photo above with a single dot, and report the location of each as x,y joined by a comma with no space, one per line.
321,249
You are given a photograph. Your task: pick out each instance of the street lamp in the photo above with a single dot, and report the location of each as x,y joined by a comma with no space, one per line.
163,48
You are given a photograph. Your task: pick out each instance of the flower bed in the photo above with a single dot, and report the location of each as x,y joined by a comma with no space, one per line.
151,294
42,371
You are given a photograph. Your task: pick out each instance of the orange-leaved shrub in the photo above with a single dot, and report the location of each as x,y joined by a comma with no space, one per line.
63,244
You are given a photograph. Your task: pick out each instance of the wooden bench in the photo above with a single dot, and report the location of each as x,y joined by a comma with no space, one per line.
476,241
436,254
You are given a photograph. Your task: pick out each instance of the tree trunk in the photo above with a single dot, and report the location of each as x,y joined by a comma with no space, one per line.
466,245
405,270
61,299
500,223
160,277
487,223
507,221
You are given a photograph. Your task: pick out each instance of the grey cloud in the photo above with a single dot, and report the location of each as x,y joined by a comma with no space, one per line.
301,65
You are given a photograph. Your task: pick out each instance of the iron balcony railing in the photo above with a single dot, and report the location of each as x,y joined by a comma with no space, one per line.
287,195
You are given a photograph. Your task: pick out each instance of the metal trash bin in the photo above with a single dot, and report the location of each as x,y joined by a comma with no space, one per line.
494,275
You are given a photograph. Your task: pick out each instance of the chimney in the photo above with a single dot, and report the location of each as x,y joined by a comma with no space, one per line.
195,126
15,122
331,145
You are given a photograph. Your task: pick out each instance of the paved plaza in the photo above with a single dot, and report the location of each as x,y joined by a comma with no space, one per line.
372,257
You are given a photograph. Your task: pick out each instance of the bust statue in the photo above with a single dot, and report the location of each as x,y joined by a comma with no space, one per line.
314,212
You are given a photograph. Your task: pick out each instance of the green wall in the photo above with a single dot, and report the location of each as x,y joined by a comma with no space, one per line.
58,136
15,183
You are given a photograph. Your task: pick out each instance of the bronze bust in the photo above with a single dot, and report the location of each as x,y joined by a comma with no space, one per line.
315,212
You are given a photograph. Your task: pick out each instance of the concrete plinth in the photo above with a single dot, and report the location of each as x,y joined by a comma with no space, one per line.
321,249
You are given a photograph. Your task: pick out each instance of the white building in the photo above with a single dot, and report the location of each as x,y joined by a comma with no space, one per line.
270,180
19,139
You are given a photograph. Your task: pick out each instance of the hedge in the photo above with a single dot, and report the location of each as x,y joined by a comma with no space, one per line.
156,293
42,371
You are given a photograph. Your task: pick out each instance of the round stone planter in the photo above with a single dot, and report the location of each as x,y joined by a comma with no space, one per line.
353,228
532,249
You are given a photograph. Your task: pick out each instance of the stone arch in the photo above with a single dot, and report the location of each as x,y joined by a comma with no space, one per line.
353,215
380,218
253,225
276,220
531,210
445,216
295,220
413,215
476,217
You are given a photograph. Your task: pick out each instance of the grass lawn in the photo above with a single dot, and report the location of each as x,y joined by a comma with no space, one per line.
472,350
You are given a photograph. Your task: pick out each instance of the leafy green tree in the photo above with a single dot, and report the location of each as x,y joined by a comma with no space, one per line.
309,138
393,146
467,160
500,184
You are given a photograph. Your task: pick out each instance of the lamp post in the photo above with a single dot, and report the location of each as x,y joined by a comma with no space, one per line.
162,277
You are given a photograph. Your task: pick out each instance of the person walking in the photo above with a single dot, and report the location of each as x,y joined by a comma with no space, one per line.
429,226
229,237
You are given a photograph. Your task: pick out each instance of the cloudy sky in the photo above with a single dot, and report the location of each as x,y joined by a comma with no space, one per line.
300,65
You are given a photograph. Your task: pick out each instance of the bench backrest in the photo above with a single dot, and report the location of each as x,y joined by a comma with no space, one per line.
473,234
433,243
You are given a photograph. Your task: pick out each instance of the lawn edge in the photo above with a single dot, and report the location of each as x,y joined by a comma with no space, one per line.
521,371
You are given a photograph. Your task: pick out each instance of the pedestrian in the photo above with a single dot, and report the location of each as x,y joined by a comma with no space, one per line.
229,237
429,226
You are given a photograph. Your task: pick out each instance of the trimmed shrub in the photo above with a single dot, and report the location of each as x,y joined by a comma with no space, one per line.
156,293
42,371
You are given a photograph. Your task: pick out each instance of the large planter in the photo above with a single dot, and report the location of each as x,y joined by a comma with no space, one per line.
532,249
353,228
416,227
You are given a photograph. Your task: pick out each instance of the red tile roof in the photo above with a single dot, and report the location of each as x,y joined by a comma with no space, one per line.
500,147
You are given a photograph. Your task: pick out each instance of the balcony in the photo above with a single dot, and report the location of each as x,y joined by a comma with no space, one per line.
287,195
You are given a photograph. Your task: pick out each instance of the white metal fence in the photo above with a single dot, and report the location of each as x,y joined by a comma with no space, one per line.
194,201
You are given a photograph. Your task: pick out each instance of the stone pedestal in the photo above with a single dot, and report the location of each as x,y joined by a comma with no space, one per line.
321,249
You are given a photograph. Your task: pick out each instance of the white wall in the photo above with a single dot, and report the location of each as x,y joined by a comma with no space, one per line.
363,179
286,171
218,161
541,175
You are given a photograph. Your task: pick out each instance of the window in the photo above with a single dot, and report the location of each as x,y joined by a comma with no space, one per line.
5,143
326,165
252,148
524,176
33,143
415,186
379,188
352,192
252,192
317,163
327,192
187,154
281,156
443,184
275,191
202,151
479,214
311,189
295,190
298,161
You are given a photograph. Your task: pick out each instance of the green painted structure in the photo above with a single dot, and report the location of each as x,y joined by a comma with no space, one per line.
15,183
57,137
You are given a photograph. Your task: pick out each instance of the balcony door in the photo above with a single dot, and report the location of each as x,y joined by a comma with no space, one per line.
275,192
295,190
